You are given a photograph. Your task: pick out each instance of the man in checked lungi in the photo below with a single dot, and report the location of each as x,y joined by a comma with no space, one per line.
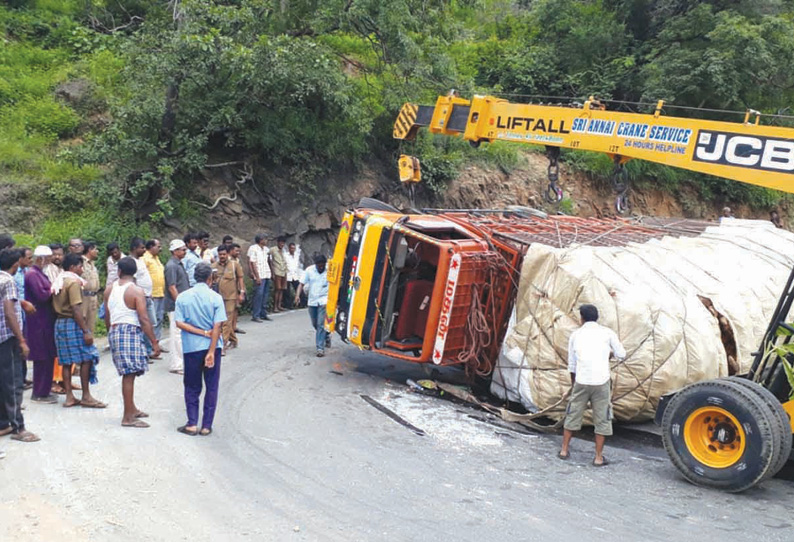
73,338
127,318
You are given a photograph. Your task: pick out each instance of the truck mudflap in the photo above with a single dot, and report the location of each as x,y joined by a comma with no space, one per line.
660,408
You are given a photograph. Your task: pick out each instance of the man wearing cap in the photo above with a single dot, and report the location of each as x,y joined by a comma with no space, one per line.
40,330
176,282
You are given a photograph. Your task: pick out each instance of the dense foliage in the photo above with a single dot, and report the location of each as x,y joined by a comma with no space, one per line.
119,103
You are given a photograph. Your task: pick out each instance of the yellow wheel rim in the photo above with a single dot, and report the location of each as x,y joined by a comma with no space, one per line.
714,437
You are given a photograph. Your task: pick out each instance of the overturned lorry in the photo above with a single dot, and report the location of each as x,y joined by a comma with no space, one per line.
497,291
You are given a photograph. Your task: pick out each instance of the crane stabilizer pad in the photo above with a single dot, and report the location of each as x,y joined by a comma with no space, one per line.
411,118
458,118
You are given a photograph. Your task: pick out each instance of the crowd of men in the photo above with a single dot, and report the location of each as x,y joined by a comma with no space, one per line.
50,304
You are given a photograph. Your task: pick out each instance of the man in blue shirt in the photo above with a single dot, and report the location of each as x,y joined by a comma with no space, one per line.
192,258
315,282
199,313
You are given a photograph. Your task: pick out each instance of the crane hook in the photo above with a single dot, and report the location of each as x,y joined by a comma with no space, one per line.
553,192
621,185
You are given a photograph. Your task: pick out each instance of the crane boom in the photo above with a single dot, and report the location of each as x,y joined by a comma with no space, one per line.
746,151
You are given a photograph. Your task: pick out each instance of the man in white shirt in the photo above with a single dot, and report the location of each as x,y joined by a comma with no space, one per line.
259,266
315,282
589,348
144,280
114,255
292,255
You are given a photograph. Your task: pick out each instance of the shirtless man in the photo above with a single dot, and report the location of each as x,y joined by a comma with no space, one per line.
127,318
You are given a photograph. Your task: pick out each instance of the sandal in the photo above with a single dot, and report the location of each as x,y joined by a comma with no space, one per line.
603,463
70,405
25,436
95,404
564,457
136,423
205,431
141,414
185,430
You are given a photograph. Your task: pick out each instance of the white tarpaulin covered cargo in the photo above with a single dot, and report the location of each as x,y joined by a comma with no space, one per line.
665,298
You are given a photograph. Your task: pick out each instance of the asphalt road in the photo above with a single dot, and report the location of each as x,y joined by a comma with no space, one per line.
297,454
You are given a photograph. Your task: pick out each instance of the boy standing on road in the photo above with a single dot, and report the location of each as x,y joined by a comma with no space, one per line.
589,348
127,318
200,315
315,282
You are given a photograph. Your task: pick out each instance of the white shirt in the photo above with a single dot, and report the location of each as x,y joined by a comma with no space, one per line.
294,265
113,270
142,277
316,284
588,353
259,255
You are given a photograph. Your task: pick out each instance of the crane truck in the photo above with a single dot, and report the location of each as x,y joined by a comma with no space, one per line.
438,287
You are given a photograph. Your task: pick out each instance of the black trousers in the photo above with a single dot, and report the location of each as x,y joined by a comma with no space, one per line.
11,383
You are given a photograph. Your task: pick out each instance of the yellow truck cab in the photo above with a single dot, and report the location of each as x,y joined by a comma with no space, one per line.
419,287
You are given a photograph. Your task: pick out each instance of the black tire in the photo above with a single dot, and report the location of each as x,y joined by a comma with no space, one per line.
752,414
376,205
782,427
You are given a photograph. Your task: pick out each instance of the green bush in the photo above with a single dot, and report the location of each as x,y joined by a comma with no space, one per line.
47,117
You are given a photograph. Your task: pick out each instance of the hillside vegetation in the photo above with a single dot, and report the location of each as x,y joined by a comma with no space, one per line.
110,108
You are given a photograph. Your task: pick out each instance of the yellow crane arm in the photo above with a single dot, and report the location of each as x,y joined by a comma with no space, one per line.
749,152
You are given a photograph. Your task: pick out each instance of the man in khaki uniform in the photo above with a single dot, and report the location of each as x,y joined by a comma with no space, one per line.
91,286
228,280
278,266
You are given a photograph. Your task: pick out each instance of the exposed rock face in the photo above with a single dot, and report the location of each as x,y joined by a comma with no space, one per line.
272,205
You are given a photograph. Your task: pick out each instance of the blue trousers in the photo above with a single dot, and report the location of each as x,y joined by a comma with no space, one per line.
194,372
159,313
153,319
261,292
317,316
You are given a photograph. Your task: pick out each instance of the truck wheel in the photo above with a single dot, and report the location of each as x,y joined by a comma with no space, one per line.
782,427
376,205
719,435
